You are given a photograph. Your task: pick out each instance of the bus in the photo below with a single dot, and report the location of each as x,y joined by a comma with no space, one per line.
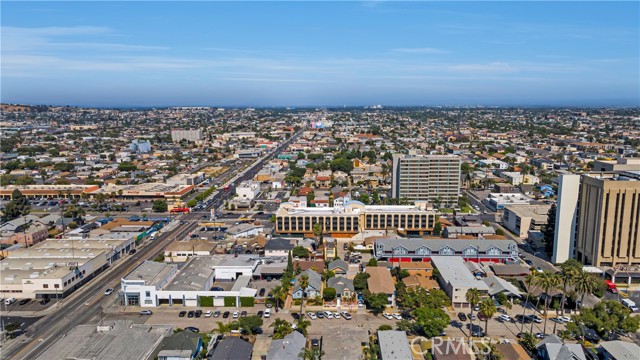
180,210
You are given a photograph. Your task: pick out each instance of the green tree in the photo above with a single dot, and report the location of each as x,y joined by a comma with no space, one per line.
281,328
341,164
302,325
584,283
488,309
431,322
279,293
608,316
159,206
17,207
529,281
549,230
311,354
360,281
250,323
329,294
546,281
566,278
372,262
473,298
300,252
317,232
529,341
376,302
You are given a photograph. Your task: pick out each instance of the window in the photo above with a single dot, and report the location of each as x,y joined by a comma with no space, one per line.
446,251
45,286
494,251
470,251
56,286
147,293
148,302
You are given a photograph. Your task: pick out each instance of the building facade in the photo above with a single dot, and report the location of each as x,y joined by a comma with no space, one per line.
519,219
349,217
189,135
426,177
407,250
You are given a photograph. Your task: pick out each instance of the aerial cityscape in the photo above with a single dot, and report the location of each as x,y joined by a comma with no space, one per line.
373,180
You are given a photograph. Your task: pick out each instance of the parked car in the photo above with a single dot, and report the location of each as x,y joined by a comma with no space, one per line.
336,315
312,315
146,312
182,313
109,291
462,317
24,301
235,314
225,315
477,333
523,319
472,317
540,335
192,329
387,316
535,318
45,301
504,318
267,313
208,313
320,315
295,316
191,313
397,316
260,313
328,314
198,313
243,314
216,314
346,315
262,292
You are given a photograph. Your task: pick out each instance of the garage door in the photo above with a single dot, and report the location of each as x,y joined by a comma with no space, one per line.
218,301
191,302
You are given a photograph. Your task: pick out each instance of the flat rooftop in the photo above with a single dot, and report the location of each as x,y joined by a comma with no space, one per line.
537,212
453,270
122,340
240,260
151,272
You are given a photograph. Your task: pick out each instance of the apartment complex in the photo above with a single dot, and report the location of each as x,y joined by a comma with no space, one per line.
607,217
519,219
426,177
190,135
348,217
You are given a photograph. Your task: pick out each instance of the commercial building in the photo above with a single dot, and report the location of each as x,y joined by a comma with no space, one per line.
426,177
456,279
189,135
621,164
140,146
115,340
607,216
248,190
146,191
520,219
48,191
153,284
497,201
349,217
186,179
406,250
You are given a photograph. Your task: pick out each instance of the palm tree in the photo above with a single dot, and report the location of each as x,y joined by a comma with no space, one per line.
473,298
488,309
304,282
566,278
546,281
278,293
584,283
222,328
529,280
311,354
302,325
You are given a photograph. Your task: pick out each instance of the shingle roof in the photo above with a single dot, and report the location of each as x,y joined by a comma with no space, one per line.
338,263
380,280
233,348
340,283
290,347
436,245
278,244
394,345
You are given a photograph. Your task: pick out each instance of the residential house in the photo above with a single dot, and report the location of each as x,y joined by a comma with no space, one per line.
499,285
314,289
184,345
277,247
290,347
343,286
339,267
232,347
380,281
619,350
394,345
513,351
553,348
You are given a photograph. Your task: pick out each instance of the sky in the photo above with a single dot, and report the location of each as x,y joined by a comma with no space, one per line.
207,53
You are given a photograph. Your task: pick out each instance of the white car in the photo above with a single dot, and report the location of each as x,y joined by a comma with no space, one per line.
267,313
397,316
146,312
328,314
565,319
208,313
336,315
388,316
109,291
235,314
505,318
312,315
346,315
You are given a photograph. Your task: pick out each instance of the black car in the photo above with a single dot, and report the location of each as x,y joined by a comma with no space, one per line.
216,313
262,292
182,313
260,313
523,319
23,301
462,317
190,314
529,262
133,251
44,301
225,315
243,314
198,313
478,333
192,329
296,316
315,343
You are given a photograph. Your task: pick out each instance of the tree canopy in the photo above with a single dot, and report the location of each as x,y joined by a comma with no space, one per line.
17,207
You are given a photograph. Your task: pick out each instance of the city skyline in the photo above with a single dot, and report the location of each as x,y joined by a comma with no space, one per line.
321,54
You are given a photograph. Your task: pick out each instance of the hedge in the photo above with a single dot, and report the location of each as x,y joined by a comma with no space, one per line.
206,301
230,301
246,301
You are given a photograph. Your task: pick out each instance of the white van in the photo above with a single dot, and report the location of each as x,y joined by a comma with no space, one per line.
9,301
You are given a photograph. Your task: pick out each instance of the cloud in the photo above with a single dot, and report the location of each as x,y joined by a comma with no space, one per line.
422,50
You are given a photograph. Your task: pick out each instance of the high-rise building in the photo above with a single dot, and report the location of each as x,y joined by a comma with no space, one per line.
190,135
426,177
604,229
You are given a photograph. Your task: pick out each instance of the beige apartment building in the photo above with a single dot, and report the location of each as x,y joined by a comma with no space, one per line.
426,177
608,219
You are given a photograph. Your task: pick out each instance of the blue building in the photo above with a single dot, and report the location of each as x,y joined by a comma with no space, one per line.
140,146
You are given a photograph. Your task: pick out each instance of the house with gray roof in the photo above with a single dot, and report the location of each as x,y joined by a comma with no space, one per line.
181,345
277,247
291,347
343,286
552,348
232,347
402,249
394,345
314,288
338,266
477,231
619,350
498,285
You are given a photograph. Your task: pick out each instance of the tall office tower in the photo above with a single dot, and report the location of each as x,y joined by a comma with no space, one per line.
190,135
426,177
608,217
566,218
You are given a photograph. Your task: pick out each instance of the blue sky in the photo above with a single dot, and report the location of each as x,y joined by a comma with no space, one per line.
320,53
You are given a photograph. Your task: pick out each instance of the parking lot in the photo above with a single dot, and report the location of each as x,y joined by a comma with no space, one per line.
264,284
